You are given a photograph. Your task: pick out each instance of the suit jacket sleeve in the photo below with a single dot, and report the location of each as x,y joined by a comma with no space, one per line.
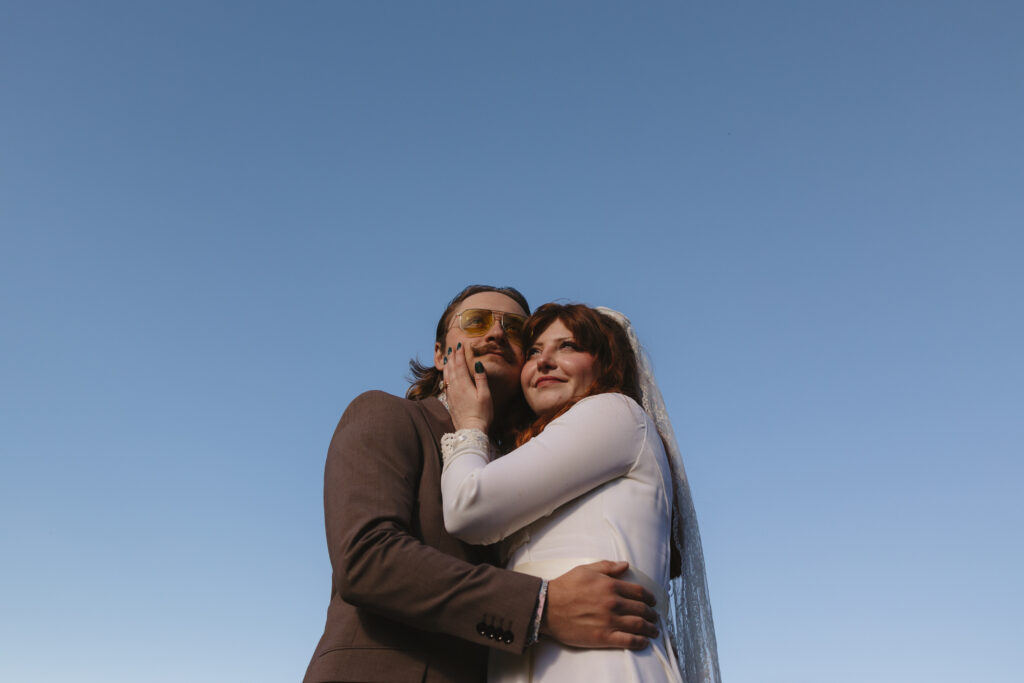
375,523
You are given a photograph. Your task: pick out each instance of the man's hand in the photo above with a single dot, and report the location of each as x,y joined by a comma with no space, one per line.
589,607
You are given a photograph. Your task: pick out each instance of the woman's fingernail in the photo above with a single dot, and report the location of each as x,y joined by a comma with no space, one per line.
479,367
449,349
446,360
458,346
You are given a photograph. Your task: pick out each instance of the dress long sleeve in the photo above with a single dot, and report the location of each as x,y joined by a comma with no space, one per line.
597,440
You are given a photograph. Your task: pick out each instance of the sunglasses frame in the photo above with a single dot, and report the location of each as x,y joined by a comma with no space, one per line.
500,315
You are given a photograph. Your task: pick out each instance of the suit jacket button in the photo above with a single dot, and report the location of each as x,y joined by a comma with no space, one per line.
481,628
509,637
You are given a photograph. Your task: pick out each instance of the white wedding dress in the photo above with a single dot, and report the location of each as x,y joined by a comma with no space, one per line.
594,485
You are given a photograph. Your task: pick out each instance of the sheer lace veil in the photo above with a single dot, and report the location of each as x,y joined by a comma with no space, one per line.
691,626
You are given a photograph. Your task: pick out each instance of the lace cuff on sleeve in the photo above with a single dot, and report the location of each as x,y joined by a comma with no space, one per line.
455,445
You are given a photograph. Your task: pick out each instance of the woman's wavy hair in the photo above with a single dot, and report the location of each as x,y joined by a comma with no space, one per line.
605,338
424,378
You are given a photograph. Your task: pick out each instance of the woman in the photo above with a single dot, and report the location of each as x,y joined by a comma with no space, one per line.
590,479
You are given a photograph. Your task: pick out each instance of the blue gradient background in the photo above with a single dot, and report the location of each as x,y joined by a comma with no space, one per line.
219,222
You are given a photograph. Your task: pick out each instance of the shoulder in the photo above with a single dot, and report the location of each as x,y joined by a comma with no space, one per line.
609,415
618,418
381,422
614,405
376,407
375,401
607,426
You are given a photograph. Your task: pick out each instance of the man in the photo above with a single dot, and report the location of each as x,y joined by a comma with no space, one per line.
408,601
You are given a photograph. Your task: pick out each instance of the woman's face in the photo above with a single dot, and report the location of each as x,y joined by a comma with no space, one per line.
556,370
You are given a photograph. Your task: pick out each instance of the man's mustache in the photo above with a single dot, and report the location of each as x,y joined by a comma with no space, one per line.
503,350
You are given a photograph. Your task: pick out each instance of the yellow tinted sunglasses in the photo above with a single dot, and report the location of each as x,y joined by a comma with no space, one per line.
476,321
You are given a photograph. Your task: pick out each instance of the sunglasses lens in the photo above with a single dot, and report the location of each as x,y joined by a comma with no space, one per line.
476,321
513,326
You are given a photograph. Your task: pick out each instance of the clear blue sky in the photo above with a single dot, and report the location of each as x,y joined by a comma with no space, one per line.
219,222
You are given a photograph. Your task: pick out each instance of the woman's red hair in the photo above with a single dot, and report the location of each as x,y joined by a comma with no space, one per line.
597,334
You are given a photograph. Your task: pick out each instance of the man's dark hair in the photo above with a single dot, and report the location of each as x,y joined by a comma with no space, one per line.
425,378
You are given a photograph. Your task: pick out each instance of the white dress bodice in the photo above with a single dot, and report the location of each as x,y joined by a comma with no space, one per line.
594,485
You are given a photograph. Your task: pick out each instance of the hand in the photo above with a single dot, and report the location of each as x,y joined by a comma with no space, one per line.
589,607
469,396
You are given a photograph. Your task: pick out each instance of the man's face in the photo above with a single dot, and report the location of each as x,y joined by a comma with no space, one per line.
502,358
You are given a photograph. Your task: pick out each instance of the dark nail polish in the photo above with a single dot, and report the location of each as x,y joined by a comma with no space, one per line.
446,360
449,349
479,367
459,345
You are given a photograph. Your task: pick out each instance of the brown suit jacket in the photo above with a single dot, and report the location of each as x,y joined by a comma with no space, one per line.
408,601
